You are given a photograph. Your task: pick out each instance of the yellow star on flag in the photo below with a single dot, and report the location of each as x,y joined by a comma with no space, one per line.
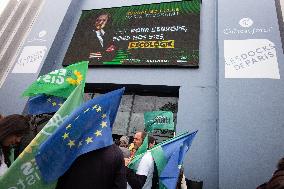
49,99
68,127
99,109
53,103
80,144
104,124
89,140
104,116
98,133
71,143
95,107
66,135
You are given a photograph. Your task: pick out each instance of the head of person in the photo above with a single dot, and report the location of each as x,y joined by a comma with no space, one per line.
138,139
12,129
152,142
124,141
280,165
101,20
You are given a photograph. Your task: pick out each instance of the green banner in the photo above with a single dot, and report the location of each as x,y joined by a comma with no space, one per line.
60,82
158,120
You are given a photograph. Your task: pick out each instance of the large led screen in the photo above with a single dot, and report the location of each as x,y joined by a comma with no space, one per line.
164,34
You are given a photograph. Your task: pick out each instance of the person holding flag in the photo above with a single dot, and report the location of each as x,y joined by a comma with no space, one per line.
66,82
168,157
85,156
142,177
102,168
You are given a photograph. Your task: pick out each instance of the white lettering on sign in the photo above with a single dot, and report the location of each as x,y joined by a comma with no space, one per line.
30,59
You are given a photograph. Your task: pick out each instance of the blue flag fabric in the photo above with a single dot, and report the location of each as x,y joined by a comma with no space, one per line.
44,104
175,152
88,128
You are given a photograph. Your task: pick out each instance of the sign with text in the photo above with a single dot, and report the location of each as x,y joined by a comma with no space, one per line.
163,34
162,120
30,59
250,58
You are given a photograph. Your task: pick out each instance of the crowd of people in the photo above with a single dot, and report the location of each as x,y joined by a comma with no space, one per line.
103,168
108,166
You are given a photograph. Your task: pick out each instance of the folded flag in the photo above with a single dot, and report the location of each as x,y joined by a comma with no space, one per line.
44,104
24,171
88,128
169,157
60,82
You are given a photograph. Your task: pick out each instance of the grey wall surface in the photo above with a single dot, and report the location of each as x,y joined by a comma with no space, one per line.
251,121
198,102
49,19
197,106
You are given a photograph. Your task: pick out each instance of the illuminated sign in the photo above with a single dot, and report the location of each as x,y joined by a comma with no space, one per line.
164,34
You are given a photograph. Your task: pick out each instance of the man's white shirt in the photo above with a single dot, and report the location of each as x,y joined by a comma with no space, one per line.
146,168
100,33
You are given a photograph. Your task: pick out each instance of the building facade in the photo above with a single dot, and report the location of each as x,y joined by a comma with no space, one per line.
239,118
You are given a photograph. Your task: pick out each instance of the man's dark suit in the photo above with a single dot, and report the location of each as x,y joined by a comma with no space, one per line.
102,169
93,43
87,42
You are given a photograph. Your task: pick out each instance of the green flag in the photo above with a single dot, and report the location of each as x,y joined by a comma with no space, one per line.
60,82
158,120
23,173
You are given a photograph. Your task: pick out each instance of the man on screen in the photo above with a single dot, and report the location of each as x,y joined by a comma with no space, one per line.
100,44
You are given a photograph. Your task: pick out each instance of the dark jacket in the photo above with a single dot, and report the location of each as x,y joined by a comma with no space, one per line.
276,181
102,169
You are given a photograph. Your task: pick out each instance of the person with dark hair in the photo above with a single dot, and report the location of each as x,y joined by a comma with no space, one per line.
280,165
151,142
12,129
142,178
277,179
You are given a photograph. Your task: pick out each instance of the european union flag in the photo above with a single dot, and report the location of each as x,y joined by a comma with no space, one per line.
44,104
88,128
